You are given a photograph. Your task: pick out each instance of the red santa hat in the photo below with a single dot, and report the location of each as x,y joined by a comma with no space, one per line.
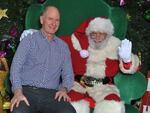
100,24
79,37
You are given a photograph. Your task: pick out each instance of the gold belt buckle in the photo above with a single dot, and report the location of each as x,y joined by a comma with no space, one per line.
89,81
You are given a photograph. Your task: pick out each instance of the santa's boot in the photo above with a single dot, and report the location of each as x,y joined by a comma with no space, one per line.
81,106
109,106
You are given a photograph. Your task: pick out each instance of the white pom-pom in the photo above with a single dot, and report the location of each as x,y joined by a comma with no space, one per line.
84,53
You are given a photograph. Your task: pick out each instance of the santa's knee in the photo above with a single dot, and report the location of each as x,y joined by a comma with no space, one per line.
81,106
109,106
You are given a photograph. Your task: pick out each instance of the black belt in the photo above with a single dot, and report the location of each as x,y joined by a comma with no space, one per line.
91,81
34,87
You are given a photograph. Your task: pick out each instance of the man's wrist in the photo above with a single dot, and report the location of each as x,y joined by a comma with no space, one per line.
18,91
63,89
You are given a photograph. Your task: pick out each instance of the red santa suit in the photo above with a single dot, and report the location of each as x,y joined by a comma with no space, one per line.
99,64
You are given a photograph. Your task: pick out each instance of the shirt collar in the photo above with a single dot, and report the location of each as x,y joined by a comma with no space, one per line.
45,37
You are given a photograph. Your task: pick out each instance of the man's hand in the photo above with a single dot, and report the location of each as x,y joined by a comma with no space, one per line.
62,93
27,32
17,98
125,50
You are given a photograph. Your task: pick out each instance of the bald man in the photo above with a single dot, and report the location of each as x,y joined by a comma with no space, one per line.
41,72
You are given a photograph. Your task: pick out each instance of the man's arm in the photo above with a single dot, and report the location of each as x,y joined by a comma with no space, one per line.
18,62
15,73
67,71
67,77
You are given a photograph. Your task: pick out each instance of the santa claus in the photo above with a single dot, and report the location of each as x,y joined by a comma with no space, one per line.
97,56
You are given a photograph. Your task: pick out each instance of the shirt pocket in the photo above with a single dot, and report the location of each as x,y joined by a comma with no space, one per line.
56,57
38,55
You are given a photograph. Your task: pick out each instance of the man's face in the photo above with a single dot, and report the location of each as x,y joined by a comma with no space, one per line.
50,21
98,37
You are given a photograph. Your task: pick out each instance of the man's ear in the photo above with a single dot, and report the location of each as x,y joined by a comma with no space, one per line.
41,19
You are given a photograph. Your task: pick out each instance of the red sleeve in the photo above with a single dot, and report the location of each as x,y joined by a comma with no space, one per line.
127,65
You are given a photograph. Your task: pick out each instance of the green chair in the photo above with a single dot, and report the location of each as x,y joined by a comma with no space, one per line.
73,12
131,87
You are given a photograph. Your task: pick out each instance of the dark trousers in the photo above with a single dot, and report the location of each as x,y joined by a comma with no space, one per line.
42,100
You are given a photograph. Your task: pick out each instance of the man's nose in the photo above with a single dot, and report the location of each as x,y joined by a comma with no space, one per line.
54,23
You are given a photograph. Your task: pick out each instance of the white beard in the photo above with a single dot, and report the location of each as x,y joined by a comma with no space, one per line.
98,45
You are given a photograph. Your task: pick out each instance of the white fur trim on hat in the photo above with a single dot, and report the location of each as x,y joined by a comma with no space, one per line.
83,53
99,24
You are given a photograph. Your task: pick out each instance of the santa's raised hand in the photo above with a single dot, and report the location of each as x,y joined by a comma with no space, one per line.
124,51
